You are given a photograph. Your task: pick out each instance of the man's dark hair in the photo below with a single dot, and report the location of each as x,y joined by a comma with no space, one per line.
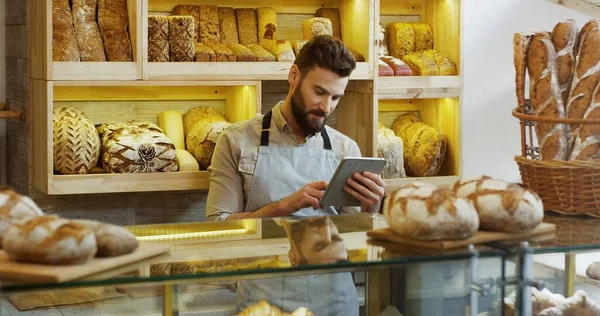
328,52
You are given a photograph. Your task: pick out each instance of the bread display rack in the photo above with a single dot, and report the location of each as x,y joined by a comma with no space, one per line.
141,89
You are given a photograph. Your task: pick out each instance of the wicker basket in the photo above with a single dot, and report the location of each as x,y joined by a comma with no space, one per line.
567,187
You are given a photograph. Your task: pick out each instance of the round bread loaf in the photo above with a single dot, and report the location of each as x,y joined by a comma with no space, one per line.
76,142
423,211
111,240
49,240
201,140
390,147
14,206
424,146
593,271
579,304
502,206
196,114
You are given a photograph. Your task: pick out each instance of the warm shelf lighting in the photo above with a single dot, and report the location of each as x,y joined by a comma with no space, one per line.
218,233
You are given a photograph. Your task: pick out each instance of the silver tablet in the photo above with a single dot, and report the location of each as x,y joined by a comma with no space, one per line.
335,195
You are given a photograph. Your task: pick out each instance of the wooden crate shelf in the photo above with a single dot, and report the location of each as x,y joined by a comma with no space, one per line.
40,49
356,30
106,101
444,181
589,7
415,87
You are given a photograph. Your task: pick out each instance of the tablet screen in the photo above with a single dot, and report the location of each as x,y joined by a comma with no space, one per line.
335,195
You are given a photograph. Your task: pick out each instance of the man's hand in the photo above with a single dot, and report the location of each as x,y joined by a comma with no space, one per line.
368,188
309,195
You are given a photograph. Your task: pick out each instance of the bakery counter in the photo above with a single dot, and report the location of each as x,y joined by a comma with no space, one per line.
208,263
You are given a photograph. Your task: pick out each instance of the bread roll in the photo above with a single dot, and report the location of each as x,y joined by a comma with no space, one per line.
577,305
76,144
111,240
502,206
424,146
398,66
521,43
204,53
423,211
158,38
202,139
64,42
401,39
247,25
228,33
333,14
316,26
390,147
593,271
267,25
546,99
14,206
564,37
193,11
49,240
181,38
262,54
209,24
423,37
89,39
198,113
385,69
113,22
243,53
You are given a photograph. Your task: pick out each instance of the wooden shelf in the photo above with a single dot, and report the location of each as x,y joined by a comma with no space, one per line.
394,184
588,7
413,87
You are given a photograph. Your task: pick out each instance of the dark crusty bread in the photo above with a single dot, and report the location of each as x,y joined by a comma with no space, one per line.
193,11
64,42
204,53
89,39
521,43
181,38
158,38
564,38
113,22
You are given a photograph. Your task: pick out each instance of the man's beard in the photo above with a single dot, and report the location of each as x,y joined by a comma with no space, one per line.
309,126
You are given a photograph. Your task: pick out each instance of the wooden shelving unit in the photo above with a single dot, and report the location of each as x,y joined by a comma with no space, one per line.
589,7
113,91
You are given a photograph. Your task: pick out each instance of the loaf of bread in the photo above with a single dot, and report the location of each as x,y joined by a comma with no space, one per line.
579,304
223,53
202,138
424,146
521,43
158,38
445,65
398,66
111,240
13,207
204,53
64,42
422,211
76,145
316,26
209,24
502,206
264,308
421,65
381,41
540,301
247,25
171,123
546,99
564,37
423,37
358,57
333,14
89,39
181,38
228,33
135,147
186,161
193,11
282,50
401,39
385,69
267,25
113,22
390,147
49,240
242,52
593,271
197,114
297,46
262,54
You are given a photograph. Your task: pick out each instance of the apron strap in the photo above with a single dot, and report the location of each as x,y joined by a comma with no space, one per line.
266,125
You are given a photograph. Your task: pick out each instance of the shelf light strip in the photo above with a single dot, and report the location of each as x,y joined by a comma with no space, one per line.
218,233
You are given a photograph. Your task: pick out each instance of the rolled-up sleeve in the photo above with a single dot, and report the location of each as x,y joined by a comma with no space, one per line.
225,193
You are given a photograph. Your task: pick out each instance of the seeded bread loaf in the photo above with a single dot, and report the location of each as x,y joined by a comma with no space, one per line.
181,38
228,33
333,14
209,24
193,11
204,53
247,25
242,52
316,26
223,53
158,38
262,54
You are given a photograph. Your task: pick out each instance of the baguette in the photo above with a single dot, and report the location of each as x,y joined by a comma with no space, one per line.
64,42
521,43
546,99
564,38
113,22
89,39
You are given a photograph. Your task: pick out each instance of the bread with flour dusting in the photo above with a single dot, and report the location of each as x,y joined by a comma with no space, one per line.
49,240
14,206
577,305
111,240
423,211
502,206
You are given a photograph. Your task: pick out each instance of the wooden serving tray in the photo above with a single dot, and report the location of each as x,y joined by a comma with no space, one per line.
39,273
479,237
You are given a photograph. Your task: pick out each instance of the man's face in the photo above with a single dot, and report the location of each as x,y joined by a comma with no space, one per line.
321,242
314,98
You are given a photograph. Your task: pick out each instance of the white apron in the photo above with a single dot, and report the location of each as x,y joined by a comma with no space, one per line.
281,171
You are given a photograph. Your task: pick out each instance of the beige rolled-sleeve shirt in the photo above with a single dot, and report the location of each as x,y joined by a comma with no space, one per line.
234,158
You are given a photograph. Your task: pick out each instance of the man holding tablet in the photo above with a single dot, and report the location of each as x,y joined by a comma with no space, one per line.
279,164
